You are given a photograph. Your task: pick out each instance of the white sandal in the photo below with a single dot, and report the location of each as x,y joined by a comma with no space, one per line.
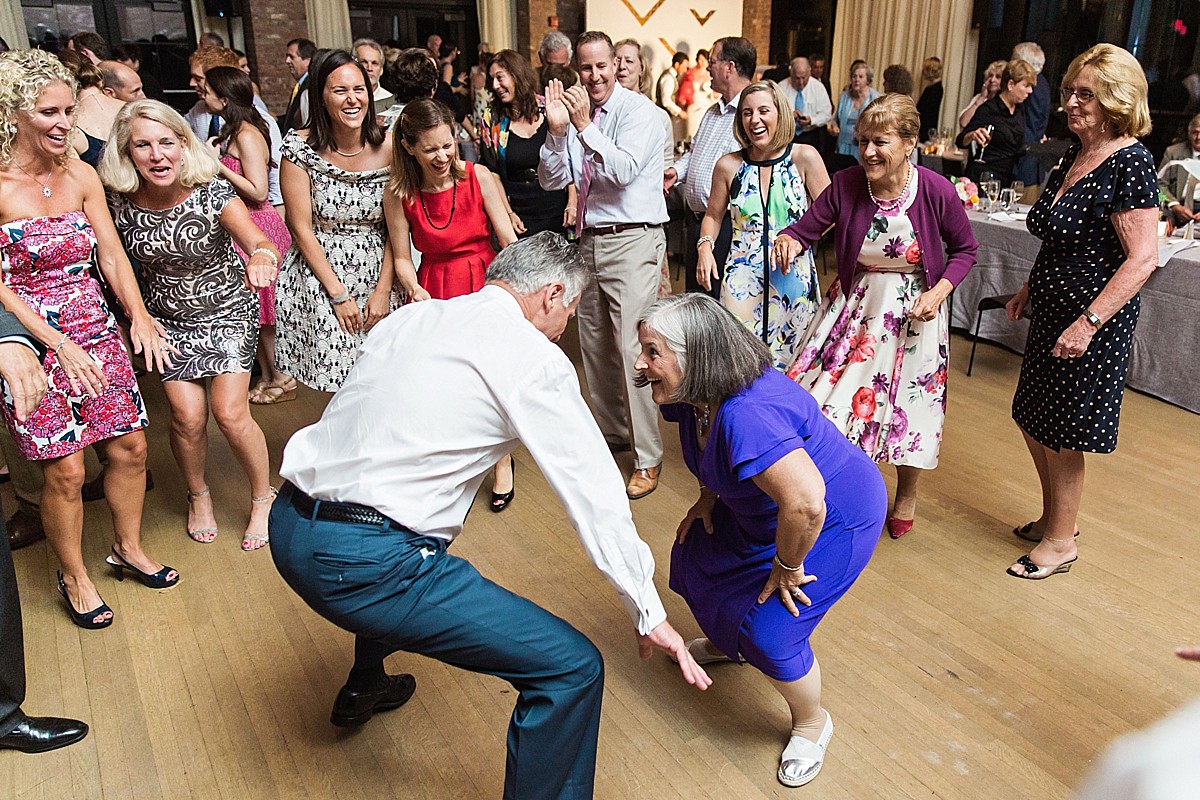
802,759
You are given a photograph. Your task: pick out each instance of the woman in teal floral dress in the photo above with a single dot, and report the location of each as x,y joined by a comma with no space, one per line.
766,186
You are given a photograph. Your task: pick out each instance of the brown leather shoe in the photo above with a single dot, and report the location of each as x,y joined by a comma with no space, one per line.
24,529
643,482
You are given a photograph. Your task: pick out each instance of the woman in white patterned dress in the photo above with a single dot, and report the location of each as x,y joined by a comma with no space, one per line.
331,287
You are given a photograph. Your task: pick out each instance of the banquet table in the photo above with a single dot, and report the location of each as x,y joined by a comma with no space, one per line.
1166,342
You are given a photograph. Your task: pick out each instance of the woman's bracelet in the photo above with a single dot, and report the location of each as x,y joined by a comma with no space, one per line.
266,252
60,344
341,298
702,240
785,567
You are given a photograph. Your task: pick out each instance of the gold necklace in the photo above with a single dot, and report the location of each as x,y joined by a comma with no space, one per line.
337,150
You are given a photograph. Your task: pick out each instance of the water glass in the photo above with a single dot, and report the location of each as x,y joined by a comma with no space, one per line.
1008,199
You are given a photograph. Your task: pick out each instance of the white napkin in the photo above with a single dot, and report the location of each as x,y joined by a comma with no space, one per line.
1169,247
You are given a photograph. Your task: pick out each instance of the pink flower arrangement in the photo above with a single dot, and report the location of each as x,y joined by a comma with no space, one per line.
968,192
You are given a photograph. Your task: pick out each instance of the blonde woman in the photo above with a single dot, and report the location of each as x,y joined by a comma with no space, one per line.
180,220
54,225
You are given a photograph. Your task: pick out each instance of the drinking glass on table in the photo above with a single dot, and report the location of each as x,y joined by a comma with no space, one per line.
992,188
1008,199
1018,188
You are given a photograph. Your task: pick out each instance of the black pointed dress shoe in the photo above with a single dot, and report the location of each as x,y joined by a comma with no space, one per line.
42,734
352,709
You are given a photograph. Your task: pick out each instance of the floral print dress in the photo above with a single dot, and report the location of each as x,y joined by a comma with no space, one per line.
792,298
46,263
877,374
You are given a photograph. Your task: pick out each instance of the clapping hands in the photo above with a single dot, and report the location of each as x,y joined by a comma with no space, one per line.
565,106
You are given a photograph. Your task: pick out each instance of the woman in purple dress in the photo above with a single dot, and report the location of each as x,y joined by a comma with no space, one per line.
789,510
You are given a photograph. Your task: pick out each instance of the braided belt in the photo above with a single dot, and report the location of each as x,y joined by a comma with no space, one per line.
341,512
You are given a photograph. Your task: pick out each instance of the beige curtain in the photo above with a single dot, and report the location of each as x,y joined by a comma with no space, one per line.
498,23
12,24
885,32
329,23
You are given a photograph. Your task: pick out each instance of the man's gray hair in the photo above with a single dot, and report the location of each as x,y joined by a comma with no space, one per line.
366,41
717,354
1032,53
556,40
532,264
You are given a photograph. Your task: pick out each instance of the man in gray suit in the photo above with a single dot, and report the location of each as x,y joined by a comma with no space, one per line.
22,373
1173,183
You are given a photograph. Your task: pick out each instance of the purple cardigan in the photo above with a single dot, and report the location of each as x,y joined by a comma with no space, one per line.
936,212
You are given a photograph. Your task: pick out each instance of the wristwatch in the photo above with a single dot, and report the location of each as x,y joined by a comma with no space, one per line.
1091,317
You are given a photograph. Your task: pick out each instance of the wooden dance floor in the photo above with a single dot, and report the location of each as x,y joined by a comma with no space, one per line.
945,677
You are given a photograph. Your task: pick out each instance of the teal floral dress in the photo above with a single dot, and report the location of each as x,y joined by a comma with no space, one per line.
878,374
792,298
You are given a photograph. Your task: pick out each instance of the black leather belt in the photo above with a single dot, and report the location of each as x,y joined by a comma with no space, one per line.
605,230
339,512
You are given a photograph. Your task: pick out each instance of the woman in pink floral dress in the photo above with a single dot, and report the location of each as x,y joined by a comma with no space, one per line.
244,151
54,224
876,353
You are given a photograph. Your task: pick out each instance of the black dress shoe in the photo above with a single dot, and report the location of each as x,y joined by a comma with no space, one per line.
24,529
41,734
617,447
94,489
352,709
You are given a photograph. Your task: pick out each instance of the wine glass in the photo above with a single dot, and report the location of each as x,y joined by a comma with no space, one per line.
1018,188
993,192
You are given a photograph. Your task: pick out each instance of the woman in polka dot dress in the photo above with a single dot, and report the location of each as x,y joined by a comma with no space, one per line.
1096,219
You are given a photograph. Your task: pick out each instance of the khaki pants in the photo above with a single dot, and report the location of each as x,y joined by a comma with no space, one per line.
625,272
27,475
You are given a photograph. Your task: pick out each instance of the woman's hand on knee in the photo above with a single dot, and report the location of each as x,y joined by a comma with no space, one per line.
700,510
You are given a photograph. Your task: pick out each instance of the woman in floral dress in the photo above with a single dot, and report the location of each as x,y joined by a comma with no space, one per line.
876,354
54,225
331,288
792,175
243,149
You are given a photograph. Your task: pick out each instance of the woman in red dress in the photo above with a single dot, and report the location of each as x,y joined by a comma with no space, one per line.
450,208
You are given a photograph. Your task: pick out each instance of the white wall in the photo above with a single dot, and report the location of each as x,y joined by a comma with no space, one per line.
672,25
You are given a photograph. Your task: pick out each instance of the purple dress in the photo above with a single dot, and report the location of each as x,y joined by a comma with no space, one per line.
720,576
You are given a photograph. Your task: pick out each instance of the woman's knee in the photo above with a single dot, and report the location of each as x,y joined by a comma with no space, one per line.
128,450
65,475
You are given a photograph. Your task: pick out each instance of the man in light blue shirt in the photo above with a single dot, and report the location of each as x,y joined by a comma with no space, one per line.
609,141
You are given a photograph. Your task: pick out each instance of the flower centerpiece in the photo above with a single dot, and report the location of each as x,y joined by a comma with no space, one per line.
968,192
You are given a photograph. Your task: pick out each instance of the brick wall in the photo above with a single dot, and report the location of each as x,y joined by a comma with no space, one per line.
756,26
269,27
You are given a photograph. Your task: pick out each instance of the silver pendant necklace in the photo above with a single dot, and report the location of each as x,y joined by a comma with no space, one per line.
46,190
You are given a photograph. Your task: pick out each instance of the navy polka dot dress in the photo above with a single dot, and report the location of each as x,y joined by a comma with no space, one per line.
1076,402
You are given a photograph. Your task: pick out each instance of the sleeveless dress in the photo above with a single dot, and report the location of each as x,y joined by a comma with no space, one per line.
879,376
793,297
347,211
1076,402
271,224
193,280
46,262
515,159
720,575
452,231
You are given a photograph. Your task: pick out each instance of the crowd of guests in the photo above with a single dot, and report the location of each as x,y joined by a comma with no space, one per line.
208,241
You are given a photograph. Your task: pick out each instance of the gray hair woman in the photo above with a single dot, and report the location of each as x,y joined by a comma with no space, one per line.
785,500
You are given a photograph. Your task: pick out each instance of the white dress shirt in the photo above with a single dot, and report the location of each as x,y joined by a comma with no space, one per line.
817,105
199,118
714,138
440,392
625,148
668,87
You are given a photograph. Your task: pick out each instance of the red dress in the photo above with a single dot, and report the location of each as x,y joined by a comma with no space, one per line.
451,230
271,224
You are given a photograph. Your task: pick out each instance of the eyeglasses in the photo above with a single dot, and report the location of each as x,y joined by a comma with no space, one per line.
1083,95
